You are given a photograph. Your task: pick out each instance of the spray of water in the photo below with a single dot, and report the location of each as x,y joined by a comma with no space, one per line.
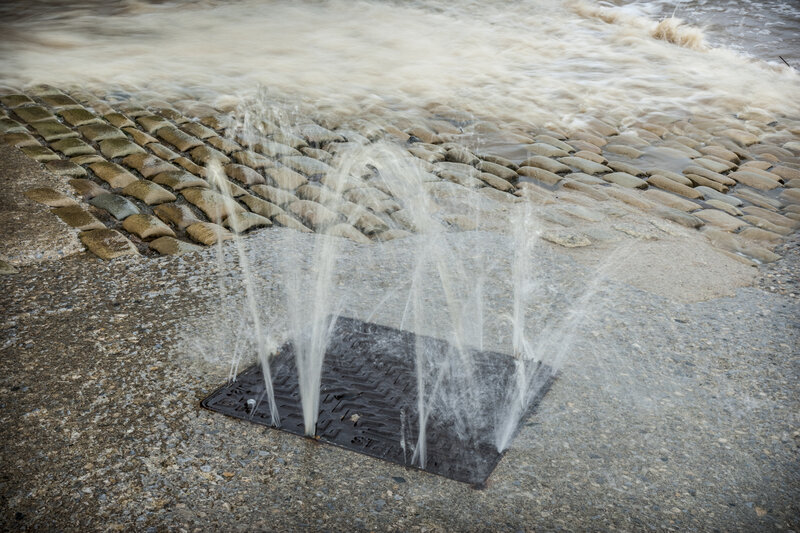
265,345
311,320
444,296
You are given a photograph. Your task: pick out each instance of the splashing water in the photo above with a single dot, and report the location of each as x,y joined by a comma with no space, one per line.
266,346
444,295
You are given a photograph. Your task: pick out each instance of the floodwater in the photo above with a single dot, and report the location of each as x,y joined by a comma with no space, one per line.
535,61
765,29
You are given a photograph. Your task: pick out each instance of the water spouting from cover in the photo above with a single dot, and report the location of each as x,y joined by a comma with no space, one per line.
265,345
443,294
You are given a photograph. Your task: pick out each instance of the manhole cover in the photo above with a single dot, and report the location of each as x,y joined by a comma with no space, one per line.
368,400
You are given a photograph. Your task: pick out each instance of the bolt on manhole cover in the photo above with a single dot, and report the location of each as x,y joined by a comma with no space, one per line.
368,400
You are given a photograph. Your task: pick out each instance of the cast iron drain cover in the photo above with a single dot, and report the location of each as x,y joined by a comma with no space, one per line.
368,400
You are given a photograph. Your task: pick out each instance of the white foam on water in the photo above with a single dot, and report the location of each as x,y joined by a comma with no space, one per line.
535,61
766,29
